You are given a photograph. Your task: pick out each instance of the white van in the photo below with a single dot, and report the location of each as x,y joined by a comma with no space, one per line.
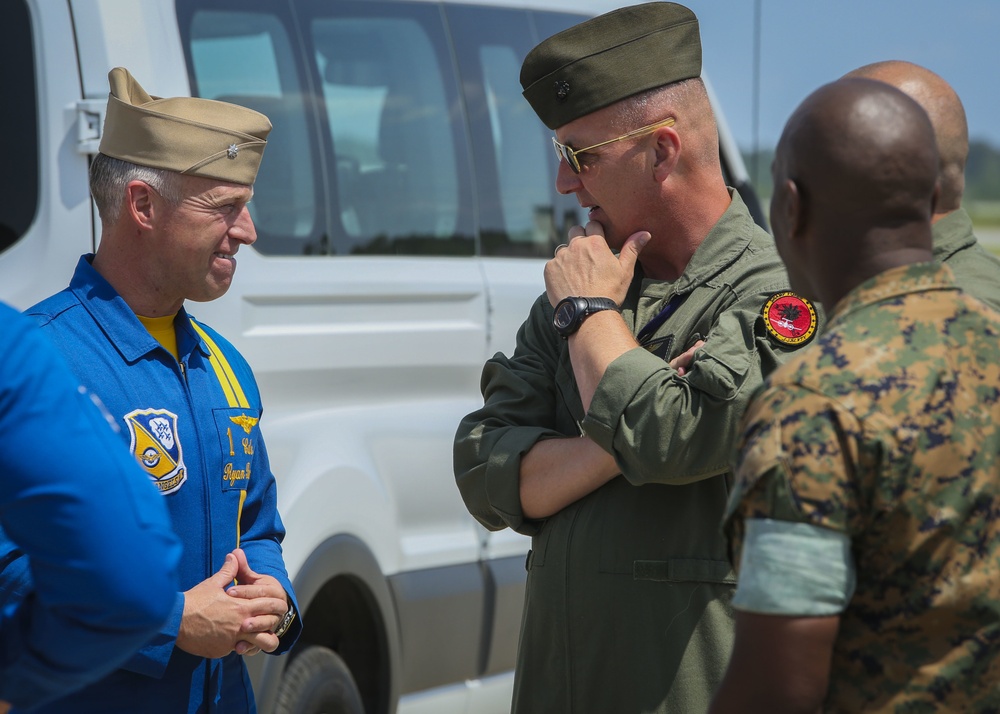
404,209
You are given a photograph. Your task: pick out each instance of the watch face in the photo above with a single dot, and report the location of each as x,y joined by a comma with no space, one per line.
564,314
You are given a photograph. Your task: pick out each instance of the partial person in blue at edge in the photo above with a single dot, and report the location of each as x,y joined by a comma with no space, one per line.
171,183
97,538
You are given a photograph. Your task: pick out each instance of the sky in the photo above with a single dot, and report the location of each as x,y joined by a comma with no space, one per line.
807,43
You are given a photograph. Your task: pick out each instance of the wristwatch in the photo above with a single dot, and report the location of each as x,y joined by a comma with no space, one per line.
286,622
572,311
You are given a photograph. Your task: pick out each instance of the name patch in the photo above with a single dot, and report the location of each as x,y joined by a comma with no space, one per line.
238,440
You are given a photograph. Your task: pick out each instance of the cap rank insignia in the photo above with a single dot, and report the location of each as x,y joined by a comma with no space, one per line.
790,319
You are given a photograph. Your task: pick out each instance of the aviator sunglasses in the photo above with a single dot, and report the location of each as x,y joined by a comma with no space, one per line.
568,153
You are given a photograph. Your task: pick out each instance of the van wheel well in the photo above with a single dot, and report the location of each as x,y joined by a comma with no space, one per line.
344,617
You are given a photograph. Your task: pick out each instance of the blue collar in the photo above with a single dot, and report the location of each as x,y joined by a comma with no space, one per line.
119,323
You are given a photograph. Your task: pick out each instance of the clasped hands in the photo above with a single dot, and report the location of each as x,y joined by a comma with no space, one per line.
220,617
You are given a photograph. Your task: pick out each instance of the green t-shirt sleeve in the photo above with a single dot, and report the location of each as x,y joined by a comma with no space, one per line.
794,569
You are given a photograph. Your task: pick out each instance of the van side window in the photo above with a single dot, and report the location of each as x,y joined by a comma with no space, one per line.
246,58
514,165
384,93
399,127
19,138
520,213
368,153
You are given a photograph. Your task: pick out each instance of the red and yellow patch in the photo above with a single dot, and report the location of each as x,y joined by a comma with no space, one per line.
790,319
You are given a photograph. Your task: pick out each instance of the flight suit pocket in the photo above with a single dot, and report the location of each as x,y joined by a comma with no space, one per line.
674,527
721,366
238,435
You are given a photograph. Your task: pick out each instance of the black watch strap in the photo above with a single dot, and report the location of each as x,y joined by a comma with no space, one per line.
572,311
596,304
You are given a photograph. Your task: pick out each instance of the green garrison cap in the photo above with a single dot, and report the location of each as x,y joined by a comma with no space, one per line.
610,57
198,137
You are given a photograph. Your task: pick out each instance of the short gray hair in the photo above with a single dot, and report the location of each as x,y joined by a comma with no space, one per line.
110,176
689,102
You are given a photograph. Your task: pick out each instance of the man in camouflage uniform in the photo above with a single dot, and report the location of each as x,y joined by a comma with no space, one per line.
976,271
868,482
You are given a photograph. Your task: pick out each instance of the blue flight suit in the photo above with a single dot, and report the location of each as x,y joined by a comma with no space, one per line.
194,426
95,536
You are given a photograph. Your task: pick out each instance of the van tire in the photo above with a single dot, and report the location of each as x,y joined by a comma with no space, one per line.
318,682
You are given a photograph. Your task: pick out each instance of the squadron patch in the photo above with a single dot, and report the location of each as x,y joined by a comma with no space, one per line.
155,444
790,319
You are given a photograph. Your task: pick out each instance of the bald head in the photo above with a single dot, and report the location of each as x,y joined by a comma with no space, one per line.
947,116
855,173
862,146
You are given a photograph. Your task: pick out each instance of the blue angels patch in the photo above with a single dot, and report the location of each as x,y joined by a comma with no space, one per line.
155,444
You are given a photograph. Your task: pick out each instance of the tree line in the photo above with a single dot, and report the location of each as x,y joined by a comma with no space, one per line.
982,173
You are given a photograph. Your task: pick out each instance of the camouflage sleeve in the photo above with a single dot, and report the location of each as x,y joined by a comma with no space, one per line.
797,461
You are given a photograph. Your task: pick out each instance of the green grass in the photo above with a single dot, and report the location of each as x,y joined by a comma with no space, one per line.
985,214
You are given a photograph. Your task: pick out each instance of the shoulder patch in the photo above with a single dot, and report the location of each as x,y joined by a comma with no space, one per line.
790,319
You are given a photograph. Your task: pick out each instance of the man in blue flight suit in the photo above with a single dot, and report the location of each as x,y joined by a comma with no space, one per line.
171,182
63,474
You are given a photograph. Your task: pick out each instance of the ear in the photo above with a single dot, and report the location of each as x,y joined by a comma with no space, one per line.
936,197
668,152
140,204
795,209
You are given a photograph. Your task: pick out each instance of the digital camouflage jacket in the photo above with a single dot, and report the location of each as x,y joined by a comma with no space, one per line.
888,430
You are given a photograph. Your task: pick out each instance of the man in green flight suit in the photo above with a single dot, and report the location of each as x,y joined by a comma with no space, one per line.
976,270
864,510
602,437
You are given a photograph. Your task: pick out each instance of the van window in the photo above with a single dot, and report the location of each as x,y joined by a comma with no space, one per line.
384,94
368,153
399,127
514,167
19,138
520,213
246,58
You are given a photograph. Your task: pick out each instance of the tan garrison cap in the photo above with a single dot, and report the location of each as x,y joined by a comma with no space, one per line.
198,137
610,57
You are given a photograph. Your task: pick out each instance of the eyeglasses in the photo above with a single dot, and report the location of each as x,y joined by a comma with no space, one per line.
569,153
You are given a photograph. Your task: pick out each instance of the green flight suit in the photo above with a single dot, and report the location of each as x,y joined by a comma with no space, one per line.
977,271
627,600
